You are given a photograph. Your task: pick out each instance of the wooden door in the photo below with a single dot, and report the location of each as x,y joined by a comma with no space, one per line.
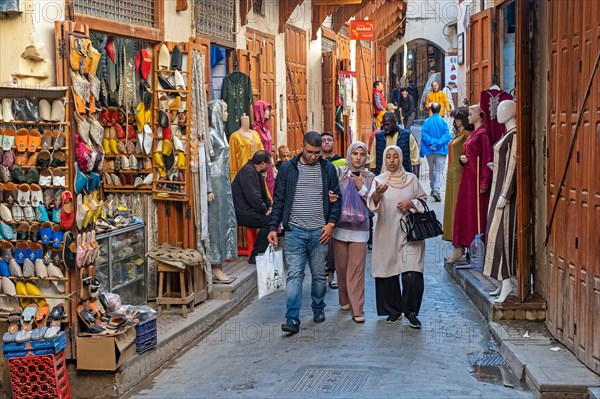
295,60
480,45
328,87
262,50
573,249
381,67
364,81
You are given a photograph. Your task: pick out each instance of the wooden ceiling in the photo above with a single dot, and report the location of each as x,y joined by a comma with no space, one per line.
387,14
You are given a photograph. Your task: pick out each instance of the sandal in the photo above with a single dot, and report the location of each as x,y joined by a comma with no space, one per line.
13,325
333,285
55,318
27,318
86,316
41,318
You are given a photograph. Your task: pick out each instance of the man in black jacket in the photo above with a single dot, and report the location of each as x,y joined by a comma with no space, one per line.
407,104
251,202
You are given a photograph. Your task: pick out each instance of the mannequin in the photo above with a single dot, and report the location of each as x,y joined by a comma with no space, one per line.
243,144
262,124
473,196
221,214
462,128
500,259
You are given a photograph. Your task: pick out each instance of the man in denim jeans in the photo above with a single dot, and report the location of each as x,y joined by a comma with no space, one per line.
301,203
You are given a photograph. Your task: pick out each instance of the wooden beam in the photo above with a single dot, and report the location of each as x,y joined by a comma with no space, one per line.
319,14
334,2
286,8
245,7
121,28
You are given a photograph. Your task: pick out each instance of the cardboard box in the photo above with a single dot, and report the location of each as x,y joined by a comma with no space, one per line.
108,353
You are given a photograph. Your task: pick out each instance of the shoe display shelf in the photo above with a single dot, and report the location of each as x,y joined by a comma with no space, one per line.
50,161
172,184
124,168
121,266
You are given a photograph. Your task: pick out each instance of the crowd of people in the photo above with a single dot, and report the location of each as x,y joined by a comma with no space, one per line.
324,205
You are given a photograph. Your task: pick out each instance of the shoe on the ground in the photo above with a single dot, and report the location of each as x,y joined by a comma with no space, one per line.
252,260
345,307
393,319
319,315
333,285
359,319
436,196
291,326
370,247
413,321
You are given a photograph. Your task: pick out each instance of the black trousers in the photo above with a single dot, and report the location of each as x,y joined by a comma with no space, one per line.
392,301
330,262
260,222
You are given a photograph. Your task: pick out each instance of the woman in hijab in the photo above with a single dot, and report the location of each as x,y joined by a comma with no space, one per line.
393,194
350,237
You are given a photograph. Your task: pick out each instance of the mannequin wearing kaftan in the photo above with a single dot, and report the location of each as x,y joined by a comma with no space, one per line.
242,146
222,225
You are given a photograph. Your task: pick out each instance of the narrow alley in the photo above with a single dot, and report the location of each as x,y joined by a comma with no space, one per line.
248,355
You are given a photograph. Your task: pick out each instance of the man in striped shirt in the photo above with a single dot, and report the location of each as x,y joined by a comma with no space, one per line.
301,203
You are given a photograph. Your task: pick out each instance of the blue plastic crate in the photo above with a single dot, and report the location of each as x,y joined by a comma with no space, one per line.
145,326
143,346
31,345
38,351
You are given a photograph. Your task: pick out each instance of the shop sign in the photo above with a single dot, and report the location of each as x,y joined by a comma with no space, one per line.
362,30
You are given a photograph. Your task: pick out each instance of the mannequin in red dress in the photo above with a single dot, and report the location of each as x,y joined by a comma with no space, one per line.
474,189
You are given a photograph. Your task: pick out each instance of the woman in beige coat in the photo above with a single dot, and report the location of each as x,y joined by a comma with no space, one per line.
393,194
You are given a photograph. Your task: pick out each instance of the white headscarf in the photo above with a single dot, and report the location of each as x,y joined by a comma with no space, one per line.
398,179
351,149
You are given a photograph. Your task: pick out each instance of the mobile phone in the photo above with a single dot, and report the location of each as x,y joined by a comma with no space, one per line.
356,173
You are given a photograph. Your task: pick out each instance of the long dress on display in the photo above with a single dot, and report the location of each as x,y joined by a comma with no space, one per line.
237,93
500,255
222,225
455,150
241,150
263,127
477,146
488,103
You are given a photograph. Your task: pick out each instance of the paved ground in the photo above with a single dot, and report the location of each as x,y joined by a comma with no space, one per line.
248,356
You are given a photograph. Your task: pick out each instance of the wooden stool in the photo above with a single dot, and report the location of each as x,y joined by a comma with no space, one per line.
181,298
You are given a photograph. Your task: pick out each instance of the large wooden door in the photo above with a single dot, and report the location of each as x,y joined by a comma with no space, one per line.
328,87
262,71
295,60
480,45
364,75
573,249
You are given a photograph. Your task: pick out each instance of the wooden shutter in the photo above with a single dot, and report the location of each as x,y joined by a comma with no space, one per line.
364,75
573,250
329,79
480,42
295,56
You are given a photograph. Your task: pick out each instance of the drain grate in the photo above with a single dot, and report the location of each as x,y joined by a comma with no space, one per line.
487,359
331,380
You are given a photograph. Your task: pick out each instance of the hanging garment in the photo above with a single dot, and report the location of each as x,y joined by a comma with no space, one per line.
241,150
237,94
466,223
263,127
222,225
500,255
488,103
455,150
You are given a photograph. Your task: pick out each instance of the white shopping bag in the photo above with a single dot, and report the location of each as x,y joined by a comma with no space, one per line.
269,272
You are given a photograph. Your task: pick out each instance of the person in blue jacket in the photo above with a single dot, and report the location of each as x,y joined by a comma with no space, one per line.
435,137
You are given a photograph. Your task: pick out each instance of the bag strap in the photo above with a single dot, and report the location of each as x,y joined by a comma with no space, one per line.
424,204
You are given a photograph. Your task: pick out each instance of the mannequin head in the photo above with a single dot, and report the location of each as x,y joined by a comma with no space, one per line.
245,120
267,114
475,115
507,110
225,114
461,119
217,114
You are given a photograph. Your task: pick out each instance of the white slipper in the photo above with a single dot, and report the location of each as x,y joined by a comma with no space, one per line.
164,61
45,108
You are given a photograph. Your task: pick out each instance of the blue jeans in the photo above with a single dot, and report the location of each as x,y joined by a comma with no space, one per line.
437,162
299,246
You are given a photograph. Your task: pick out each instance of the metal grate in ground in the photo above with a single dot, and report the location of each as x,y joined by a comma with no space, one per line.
331,380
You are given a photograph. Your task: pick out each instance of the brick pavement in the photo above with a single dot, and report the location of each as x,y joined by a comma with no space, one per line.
249,357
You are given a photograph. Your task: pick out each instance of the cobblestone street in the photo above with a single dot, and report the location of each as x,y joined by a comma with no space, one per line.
248,355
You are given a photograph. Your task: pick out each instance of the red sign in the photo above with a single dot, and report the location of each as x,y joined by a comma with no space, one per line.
362,29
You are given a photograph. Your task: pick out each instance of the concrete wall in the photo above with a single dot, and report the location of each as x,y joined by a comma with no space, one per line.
33,27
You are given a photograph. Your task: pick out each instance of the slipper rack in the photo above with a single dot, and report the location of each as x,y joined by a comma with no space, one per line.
171,183
37,177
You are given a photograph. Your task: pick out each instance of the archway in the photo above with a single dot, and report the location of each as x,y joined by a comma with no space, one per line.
423,58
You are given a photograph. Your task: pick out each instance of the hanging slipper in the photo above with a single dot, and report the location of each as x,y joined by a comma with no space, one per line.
55,318
164,61
41,318
27,319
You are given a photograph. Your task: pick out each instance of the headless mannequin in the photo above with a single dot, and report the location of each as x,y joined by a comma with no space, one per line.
242,144
476,120
216,269
245,127
507,116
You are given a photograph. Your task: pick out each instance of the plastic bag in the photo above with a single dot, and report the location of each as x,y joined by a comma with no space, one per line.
269,272
354,209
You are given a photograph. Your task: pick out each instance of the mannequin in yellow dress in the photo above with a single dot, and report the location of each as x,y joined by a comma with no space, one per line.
242,146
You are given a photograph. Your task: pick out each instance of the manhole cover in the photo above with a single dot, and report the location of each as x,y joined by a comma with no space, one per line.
331,380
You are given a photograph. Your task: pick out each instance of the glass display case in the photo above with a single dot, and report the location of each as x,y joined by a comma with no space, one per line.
121,264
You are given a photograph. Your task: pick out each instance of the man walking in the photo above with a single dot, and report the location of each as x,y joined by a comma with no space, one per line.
407,105
437,96
392,134
328,154
396,96
435,137
301,203
251,201
413,90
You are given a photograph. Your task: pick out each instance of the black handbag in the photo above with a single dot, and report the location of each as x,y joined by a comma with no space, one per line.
421,226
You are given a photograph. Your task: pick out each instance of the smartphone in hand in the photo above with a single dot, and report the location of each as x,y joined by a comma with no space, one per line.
356,173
